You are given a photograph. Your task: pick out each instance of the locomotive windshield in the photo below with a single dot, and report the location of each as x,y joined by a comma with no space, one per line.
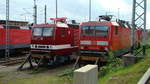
94,30
48,31
43,31
37,32
101,30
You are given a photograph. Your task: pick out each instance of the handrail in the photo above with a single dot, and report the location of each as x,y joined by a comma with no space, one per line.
145,77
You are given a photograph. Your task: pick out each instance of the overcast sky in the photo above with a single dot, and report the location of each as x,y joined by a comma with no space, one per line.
72,9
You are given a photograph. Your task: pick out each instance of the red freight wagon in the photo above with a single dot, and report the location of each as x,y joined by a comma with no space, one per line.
55,42
19,38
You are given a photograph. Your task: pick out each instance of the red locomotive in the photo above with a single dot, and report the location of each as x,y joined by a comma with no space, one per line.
100,37
19,38
56,42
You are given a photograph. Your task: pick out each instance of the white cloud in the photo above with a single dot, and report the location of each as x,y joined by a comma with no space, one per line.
148,14
74,9
83,2
2,17
148,20
113,5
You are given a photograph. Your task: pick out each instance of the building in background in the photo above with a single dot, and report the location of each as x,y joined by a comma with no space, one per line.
14,23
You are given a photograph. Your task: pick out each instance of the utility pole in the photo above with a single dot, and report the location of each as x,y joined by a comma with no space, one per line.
90,10
35,12
118,13
133,27
56,9
45,14
7,31
144,38
139,16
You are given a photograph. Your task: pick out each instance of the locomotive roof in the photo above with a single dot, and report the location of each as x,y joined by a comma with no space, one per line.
44,25
64,25
109,23
14,27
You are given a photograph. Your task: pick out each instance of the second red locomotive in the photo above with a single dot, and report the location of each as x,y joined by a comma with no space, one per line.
55,42
100,37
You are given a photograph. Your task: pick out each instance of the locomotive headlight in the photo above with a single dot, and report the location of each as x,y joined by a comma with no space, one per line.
32,46
106,48
81,47
49,46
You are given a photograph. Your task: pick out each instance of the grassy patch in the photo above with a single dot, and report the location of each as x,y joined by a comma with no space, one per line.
127,75
148,50
40,70
68,72
3,75
37,80
35,77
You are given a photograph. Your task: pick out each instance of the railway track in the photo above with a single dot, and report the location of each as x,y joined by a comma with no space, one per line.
12,61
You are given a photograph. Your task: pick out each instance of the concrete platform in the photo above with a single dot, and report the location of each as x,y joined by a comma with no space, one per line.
130,59
86,75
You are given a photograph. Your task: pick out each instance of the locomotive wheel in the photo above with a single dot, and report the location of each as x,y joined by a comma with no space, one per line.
67,59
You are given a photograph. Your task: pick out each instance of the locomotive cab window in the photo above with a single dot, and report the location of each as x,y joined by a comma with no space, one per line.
101,30
88,31
37,32
94,31
48,31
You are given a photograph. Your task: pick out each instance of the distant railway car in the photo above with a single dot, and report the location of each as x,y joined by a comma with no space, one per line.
139,36
19,38
55,42
2,40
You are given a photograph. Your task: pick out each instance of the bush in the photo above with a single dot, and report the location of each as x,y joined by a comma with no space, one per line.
148,33
66,73
113,64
